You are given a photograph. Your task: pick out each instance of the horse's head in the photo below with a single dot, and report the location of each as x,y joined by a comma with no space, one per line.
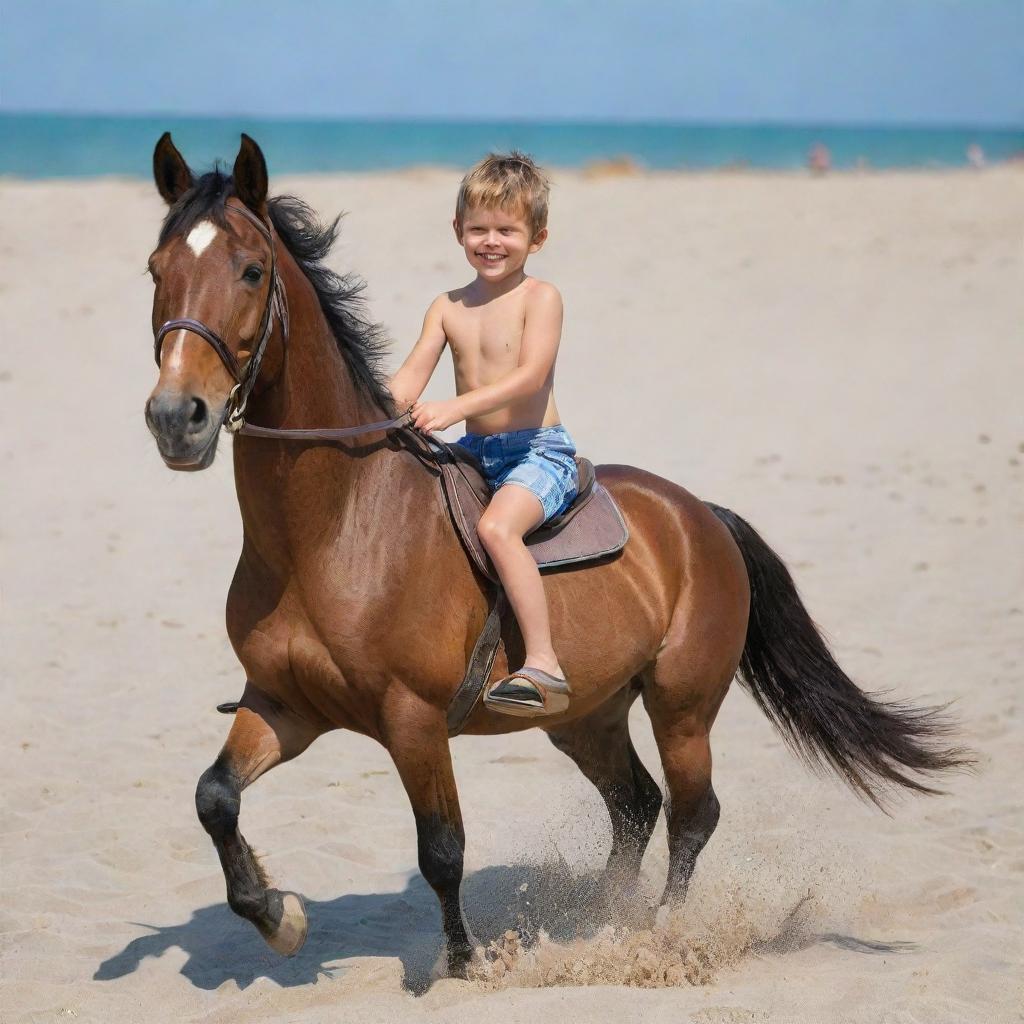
213,307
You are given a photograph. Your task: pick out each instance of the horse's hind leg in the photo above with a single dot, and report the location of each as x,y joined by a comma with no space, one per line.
600,745
417,739
682,716
260,738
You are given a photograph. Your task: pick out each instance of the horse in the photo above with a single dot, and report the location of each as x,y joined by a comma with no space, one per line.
354,606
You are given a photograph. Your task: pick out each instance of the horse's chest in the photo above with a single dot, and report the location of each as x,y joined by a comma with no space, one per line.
344,622
317,661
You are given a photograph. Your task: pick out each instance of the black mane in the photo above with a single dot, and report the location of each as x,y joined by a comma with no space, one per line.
361,342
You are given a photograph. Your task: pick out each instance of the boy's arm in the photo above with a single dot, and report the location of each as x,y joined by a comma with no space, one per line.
408,383
541,334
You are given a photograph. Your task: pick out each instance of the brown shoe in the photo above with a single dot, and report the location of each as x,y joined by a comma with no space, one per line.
528,693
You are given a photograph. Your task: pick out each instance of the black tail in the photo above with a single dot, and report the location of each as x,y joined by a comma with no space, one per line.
819,710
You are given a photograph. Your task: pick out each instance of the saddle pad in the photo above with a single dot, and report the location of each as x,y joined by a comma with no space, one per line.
591,528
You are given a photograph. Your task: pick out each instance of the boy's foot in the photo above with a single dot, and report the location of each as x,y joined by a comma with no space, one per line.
528,693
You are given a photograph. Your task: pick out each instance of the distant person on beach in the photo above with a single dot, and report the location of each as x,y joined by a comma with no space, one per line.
976,156
504,328
819,159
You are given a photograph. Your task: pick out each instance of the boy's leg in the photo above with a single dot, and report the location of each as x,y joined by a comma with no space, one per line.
512,513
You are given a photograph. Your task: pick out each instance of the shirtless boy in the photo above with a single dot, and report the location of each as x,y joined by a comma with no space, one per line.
504,328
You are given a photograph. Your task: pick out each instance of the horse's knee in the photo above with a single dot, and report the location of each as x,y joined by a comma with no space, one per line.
440,852
218,799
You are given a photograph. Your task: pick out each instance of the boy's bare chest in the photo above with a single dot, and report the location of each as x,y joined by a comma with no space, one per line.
488,335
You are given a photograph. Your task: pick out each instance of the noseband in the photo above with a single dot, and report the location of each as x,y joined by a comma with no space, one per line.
244,377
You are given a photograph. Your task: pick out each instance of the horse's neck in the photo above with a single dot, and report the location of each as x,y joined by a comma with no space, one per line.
308,386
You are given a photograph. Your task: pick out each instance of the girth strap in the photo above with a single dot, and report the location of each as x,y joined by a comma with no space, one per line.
479,668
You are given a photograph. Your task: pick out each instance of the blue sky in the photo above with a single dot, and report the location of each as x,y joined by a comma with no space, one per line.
817,61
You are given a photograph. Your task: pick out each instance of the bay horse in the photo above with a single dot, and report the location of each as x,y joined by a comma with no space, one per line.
354,606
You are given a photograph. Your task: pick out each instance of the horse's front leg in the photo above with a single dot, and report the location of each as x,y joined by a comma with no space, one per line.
261,737
417,739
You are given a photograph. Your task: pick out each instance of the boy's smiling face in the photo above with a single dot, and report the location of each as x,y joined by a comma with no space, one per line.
497,242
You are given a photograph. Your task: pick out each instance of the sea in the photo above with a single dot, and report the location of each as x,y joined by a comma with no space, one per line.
66,146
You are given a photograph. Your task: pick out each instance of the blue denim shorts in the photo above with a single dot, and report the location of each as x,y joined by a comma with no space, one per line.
539,459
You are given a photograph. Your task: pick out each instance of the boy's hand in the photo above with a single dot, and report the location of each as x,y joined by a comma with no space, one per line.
436,415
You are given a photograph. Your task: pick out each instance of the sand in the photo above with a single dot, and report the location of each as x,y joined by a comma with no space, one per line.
840,360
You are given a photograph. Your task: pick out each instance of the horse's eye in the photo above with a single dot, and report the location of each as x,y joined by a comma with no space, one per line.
253,274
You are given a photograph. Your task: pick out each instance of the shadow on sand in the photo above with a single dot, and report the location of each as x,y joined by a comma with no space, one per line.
221,947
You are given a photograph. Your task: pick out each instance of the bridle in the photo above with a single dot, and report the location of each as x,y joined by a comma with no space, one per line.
245,377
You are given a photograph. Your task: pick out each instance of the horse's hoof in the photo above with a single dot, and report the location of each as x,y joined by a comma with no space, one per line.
663,915
458,964
288,937
454,961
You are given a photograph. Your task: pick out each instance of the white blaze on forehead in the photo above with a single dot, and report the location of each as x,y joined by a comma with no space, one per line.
201,236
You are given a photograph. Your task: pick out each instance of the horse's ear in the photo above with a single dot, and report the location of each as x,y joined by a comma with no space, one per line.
250,175
171,173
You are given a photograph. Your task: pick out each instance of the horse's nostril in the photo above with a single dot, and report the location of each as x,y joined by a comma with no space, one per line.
199,415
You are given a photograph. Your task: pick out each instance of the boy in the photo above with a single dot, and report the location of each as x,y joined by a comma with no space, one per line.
504,328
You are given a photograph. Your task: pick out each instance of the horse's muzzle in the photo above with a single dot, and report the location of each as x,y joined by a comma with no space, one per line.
185,429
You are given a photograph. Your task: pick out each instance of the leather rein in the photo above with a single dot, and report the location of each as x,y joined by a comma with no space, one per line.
245,376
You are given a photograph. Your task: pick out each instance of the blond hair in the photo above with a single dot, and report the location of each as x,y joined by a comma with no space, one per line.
507,181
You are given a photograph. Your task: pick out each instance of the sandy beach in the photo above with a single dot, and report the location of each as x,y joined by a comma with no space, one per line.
840,360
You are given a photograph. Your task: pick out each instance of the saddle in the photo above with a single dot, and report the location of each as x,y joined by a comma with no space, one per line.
589,530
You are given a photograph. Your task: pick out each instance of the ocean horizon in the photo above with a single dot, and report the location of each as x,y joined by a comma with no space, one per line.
84,146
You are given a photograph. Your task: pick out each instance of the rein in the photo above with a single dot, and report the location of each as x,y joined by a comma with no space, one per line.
245,377
322,433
